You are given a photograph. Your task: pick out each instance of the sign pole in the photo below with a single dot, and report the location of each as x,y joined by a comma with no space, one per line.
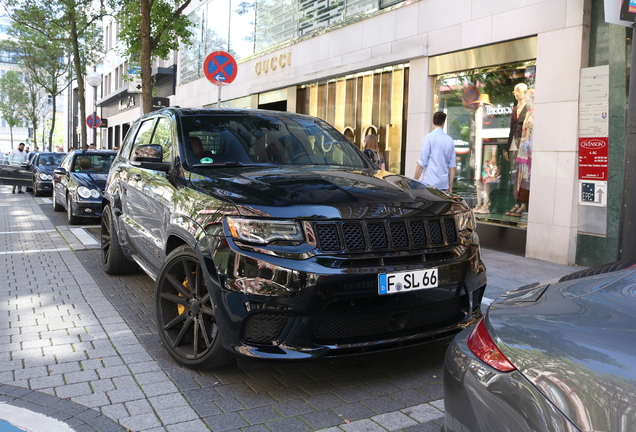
218,104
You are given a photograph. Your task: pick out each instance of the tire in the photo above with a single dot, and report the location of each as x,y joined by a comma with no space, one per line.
56,206
72,220
113,258
185,313
36,192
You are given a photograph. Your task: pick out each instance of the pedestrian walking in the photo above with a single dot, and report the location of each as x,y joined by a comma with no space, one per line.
436,165
18,156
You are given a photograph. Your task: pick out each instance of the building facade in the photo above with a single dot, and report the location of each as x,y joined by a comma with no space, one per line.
384,67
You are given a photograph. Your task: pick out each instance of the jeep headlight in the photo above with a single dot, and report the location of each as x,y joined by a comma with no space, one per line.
263,231
87,193
465,220
45,177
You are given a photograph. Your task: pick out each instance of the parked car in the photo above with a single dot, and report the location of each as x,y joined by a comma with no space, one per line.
555,356
270,235
41,167
78,183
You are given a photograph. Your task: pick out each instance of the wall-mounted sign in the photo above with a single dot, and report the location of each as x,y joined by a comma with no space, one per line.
273,63
593,193
593,157
593,135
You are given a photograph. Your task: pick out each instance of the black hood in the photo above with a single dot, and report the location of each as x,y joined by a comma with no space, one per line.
321,193
46,169
91,180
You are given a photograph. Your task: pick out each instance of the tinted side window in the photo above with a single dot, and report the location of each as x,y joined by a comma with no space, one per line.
144,133
163,137
128,140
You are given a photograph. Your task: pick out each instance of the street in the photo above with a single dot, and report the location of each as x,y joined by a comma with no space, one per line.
126,375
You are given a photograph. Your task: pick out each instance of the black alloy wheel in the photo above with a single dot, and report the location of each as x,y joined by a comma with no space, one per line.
72,220
185,313
56,206
113,258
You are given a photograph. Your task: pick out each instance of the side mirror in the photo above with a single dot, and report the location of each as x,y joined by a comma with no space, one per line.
148,153
60,171
149,156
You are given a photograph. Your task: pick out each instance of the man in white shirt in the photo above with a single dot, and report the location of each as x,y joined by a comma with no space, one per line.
18,156
437,157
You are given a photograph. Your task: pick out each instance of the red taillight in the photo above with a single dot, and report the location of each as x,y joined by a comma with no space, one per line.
482,345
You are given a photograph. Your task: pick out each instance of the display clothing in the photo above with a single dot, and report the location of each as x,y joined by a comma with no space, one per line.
516,127
436,157
524,156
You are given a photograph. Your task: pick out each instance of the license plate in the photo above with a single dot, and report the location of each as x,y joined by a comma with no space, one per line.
393,283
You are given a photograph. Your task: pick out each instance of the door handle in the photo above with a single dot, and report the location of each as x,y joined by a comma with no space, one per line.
137,177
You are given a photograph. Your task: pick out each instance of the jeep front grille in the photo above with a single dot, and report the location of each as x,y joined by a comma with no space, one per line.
378,235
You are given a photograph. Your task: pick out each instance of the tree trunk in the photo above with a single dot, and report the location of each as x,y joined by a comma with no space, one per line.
145,59
11,133
52,125
79,76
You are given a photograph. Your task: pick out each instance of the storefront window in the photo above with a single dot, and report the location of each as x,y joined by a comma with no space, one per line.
490,118
367,103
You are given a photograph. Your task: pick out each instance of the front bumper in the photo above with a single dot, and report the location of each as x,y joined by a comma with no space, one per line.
290,309
478,398
44,185
86,209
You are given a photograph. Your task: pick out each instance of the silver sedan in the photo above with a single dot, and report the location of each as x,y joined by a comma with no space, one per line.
558,356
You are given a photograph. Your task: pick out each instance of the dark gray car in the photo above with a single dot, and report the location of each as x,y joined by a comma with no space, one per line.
557,356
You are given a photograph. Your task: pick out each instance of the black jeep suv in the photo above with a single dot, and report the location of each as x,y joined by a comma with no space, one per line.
270,235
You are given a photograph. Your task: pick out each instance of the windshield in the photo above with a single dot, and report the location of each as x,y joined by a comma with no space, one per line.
92,163
235,140
50,159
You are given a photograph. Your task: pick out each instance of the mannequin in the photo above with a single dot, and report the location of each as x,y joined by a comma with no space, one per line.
524,156
517,118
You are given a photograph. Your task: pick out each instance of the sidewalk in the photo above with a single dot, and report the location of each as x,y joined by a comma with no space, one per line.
68,355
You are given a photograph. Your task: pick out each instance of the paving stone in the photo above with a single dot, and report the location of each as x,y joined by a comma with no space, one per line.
140,422
322,419
73,390
394,420
191,426
423,413
293,424
365,425
116,411
410,397
354,411
79,377
177,415
46,382
323,401
126,395
229,405
137,407
167,401
224,422
260,415
383,404
293,408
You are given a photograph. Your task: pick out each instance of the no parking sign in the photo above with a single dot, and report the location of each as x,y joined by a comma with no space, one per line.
93,121
220,68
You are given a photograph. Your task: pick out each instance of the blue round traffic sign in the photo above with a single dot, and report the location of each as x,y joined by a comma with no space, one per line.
220,68
93,121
